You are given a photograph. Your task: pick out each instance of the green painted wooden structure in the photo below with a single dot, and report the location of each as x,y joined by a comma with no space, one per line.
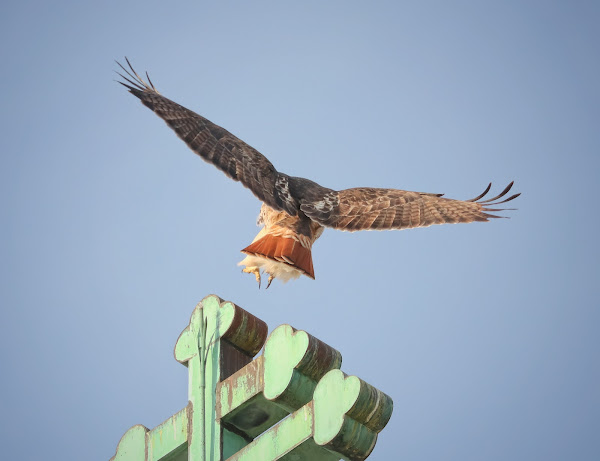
291,403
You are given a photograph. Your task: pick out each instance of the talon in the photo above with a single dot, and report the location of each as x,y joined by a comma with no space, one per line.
271,278
254,270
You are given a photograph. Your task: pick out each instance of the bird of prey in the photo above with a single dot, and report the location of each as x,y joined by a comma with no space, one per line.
294,210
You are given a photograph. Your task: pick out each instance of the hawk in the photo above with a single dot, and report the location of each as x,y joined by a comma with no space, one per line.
295,211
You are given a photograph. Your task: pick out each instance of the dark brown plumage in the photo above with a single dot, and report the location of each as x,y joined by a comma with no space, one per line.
297,208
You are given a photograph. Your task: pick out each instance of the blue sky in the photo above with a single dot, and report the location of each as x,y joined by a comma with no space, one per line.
485,335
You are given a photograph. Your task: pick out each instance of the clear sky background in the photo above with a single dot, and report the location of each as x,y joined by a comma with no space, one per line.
485,335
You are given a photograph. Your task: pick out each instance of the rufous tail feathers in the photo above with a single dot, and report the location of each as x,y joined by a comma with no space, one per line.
283,250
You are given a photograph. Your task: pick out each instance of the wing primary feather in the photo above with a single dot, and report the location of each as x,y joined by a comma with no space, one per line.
128,73
498,209
480,196
501,194
134,72
136,86
139,81
512,197
150,82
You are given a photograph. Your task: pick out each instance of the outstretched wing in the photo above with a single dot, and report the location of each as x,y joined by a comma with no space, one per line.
216,145
383,209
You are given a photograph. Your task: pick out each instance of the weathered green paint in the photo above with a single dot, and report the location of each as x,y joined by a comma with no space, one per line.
281,439
169,437
132,446
291,403
241,387
232,443
294,362
348,414
242,403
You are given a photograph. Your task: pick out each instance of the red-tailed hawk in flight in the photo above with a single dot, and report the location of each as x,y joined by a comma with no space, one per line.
295,211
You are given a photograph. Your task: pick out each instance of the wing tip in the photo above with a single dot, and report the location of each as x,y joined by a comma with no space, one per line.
489,204
493,201
137,84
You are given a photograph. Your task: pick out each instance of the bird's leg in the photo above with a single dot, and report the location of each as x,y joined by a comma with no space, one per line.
254,270
271,278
